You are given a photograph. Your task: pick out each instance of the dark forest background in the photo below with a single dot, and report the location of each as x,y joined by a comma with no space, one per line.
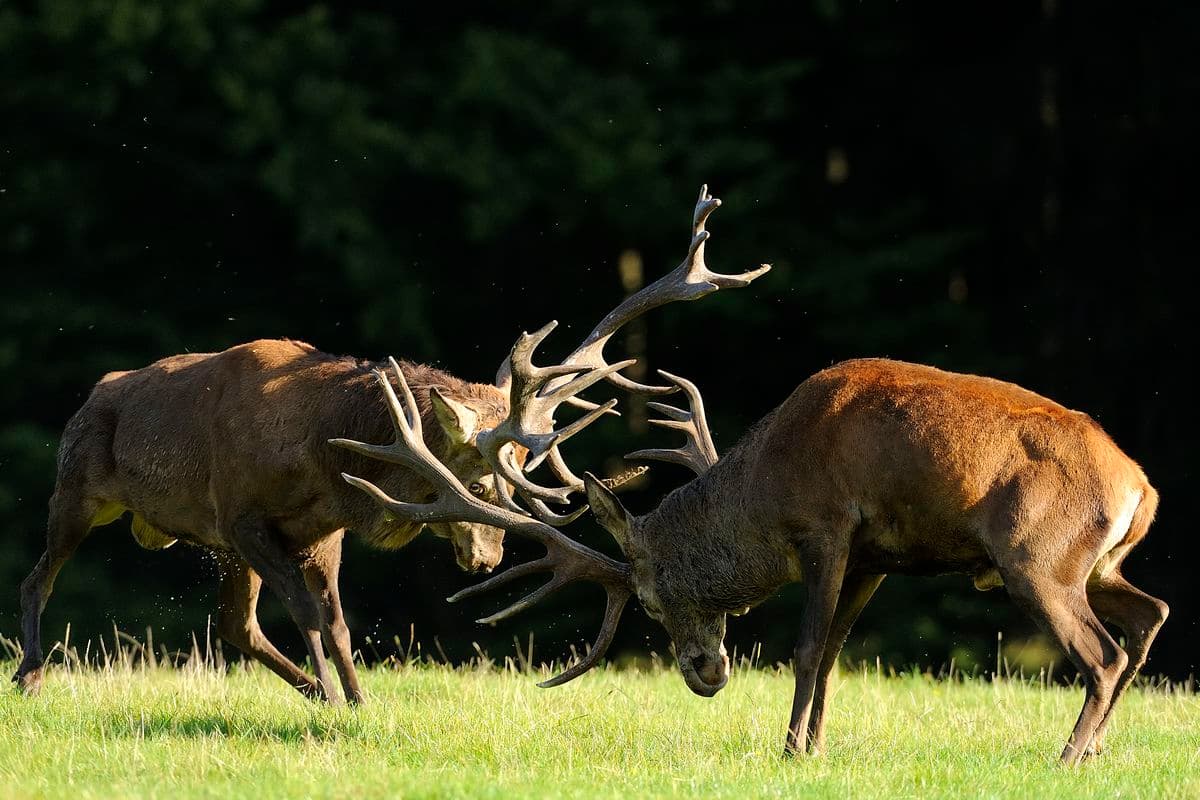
1005,190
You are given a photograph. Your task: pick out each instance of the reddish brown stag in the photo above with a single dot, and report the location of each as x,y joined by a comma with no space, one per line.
870,467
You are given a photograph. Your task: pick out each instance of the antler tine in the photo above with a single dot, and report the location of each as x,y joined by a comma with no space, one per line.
558,465
535,393
691,280
406,421
544,514
615,604
508,576
699,453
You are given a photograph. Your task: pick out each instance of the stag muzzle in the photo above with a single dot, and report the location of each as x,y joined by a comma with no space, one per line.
476,553
705,674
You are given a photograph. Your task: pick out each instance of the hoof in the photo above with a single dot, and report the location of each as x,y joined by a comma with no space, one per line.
1071,757
311,691
30,683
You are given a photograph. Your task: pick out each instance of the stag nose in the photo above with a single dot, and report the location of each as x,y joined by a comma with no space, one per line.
705,675
475,561
713,671
470,563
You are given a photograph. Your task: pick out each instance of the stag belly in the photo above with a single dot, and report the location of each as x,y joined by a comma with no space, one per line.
908,541
147,534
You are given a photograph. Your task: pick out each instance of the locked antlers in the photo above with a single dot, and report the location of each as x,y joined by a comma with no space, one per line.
566,560
535,394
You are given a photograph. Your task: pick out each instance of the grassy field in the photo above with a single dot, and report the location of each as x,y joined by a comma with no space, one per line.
437,732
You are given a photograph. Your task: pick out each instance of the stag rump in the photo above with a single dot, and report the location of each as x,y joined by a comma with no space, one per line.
870,467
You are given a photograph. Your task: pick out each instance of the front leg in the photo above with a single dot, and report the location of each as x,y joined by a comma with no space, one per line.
857,590
321,577
256,542
824,573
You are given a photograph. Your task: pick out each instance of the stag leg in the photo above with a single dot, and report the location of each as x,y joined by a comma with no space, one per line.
824,576
1139,616
69,523
281,572
1063,613
857,591
321,577
237,624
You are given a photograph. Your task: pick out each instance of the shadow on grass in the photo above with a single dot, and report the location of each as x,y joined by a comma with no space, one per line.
223,725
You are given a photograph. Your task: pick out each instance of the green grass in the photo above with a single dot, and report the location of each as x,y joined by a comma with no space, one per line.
433,731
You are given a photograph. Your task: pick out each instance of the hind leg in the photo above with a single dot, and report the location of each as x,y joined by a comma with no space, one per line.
237,624
68,524
1139,616
1062,611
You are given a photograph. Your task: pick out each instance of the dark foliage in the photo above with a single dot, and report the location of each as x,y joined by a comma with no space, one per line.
1004,190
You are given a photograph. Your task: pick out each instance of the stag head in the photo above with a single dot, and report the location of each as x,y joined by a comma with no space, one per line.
663,576
455,416
477,548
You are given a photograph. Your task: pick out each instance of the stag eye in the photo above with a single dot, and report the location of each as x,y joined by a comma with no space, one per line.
651,611
476,489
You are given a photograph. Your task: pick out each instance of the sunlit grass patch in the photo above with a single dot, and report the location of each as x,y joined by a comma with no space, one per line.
429,730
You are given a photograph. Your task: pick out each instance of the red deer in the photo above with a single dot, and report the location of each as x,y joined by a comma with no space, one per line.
870,467
228,451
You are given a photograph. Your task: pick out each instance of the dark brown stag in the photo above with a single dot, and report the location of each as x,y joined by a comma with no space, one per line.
228,451
870,467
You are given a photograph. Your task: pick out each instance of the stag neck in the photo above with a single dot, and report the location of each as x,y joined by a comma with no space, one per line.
371,424
709,505
719,539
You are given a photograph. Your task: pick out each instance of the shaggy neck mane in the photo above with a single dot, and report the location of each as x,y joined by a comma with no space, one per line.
710,520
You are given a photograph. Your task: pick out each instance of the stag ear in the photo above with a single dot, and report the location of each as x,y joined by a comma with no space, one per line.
608,510
458,420
504,375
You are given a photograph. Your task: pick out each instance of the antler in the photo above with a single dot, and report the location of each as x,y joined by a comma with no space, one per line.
535,393
691,280
565,559
699,453
530,420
